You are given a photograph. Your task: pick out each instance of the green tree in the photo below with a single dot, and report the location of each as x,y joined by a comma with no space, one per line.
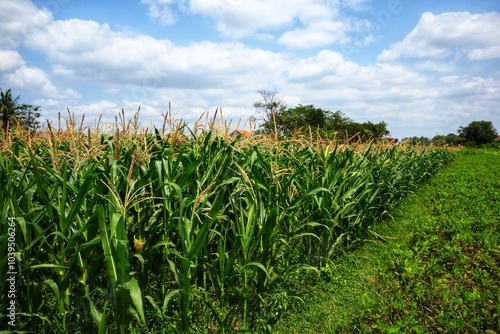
347,128
14,113
417,140
337,120
439,140
277,117
8,108
453,139
478,132
301,117
28,116
378,130
449,139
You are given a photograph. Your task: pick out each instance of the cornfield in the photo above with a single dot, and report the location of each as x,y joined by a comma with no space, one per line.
130,231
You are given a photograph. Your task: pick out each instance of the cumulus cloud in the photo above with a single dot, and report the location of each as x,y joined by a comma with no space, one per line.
317,34
10,60
82,49
320,21
71,37
32,79
450,35
13,69
19,19
348,82
243,18
484,53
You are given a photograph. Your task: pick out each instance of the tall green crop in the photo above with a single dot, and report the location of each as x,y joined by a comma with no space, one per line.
135,231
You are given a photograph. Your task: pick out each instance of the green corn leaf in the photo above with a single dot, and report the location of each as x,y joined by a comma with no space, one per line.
41,190
168,297
155,306
55,288
120,244
201,237
92,242
106,245
258,265
99,318
136,296
77,203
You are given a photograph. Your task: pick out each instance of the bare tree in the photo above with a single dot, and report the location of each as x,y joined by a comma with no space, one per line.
269,108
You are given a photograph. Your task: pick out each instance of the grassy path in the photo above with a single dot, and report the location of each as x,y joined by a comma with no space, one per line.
439,272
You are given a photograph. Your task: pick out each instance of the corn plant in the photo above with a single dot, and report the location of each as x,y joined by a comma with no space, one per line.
128,230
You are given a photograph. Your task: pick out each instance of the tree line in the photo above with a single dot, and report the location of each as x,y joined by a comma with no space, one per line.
477,133
276,118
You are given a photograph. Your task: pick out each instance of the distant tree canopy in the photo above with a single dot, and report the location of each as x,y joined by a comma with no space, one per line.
13,113
450,139
478,132
309,119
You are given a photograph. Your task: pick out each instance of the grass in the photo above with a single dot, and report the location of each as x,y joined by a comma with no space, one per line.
438,272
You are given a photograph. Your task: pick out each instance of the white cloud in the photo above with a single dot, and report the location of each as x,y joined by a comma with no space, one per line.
19,18
19,76
161,11
306,23
71,37
30,79
450,34
356,4
316,34
243,18
434,66
485,53
93,52
10,60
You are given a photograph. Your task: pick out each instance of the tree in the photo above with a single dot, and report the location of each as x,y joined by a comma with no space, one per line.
417,140
28,116
14,113
378,130
478,132
8,108
337,120
269,107
300,117
277,117
439,140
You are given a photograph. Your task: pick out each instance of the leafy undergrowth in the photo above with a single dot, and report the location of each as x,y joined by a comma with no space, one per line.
438,272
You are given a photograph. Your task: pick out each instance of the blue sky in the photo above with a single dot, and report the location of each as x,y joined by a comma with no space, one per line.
425,67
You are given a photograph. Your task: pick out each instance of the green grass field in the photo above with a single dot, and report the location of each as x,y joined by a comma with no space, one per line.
438,270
